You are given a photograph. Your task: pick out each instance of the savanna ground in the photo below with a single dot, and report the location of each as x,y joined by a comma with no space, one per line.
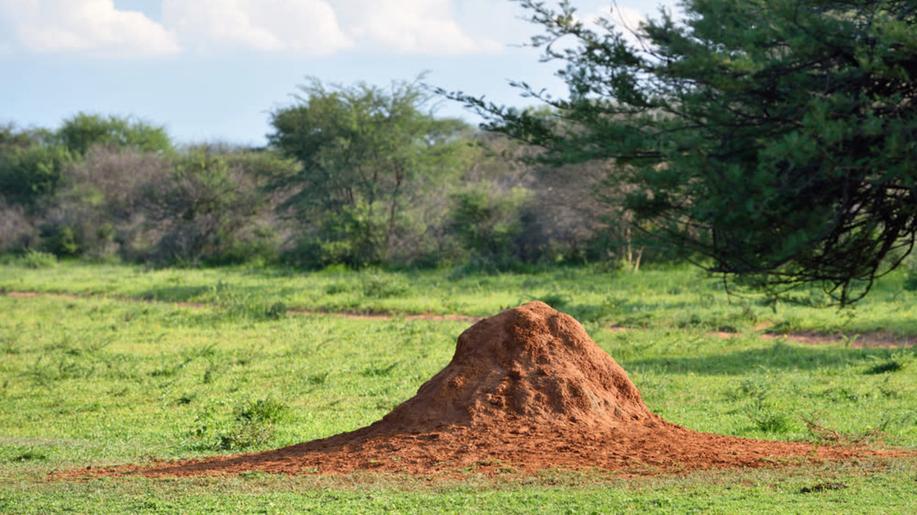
112,364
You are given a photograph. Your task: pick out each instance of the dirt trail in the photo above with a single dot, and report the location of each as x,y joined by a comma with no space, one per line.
875,339
526,390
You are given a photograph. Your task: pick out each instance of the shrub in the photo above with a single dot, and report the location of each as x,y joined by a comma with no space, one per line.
487,224
99,209
30,173
206,212
251,425
238,303
17,230
377,286
769,421
244,436
765,417
261,411
36,259
60,240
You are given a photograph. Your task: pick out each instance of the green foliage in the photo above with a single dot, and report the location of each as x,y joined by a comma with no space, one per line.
353,237
359,176
204,212
114,188
36,260
366,155
487,224
83,131
261,411
61,241
782,151
766,418
242,304
377,286
759,409
252,424
30,169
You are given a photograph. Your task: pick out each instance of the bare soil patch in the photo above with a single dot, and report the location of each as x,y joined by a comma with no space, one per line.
526,390
874,339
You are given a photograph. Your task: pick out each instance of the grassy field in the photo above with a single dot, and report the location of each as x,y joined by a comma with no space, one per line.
106,378
678,298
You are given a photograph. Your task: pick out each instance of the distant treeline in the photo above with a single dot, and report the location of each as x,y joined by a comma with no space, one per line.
360,176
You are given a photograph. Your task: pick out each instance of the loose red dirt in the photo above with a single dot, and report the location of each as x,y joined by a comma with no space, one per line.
526,390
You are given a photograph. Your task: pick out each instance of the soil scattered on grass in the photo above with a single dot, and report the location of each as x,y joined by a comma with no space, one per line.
526,390
873,339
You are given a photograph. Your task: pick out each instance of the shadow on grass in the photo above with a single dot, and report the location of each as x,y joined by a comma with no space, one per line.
173,293
778,356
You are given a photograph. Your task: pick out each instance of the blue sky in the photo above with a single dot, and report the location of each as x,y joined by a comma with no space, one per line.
212,70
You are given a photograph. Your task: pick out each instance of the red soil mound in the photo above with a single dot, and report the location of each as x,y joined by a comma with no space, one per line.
527,389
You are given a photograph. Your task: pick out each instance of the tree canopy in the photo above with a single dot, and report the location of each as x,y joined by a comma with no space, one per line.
778,138
30,165
82,131
364,151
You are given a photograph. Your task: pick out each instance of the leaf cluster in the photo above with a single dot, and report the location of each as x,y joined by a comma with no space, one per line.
773,139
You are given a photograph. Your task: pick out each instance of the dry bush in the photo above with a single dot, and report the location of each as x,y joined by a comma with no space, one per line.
17,232
100,209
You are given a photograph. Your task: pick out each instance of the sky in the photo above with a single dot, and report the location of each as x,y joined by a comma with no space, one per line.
213,70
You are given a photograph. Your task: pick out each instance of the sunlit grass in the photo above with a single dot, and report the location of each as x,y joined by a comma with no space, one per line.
99,381
680,297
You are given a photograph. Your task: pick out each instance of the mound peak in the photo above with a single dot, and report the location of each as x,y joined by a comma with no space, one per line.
530,365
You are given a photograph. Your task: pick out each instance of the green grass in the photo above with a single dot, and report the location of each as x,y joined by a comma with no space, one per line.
100,381
680,297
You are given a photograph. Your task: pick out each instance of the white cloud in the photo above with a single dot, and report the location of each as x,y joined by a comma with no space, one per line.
87,26
305,27
410,26
299,26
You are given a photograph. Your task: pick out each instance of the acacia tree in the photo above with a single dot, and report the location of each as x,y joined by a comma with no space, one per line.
364,152
778,138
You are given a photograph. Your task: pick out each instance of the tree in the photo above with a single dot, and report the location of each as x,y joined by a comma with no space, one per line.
777,138
30,165
365,153
83,130
486,224
206,209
